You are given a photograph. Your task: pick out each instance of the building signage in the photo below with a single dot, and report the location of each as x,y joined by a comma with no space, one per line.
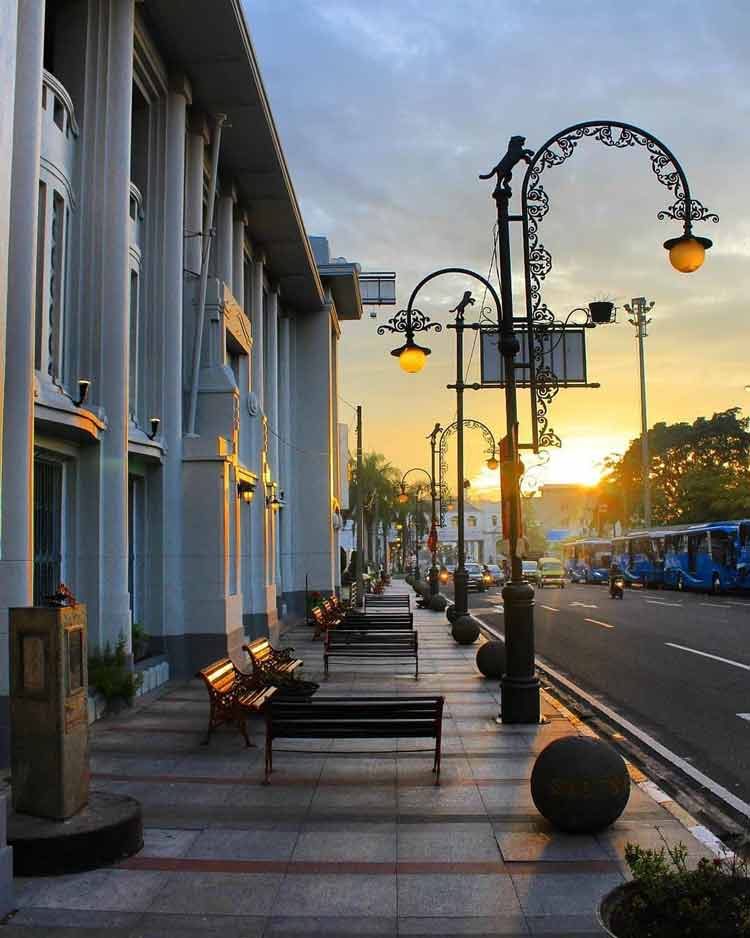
561,350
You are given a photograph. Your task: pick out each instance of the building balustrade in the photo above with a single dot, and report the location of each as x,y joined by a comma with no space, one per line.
59,133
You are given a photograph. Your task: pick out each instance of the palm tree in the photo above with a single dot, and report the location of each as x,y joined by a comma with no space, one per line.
378,490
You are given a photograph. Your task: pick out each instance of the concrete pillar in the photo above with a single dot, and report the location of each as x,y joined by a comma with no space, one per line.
17,563
312,434
174,248
110,221
196,142
238,258
225,239
258,323
286,484
272,379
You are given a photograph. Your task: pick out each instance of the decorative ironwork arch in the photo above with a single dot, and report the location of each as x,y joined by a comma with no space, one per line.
447,433
538,260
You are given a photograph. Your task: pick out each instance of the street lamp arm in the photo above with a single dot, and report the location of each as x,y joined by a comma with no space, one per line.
665,165
415,469
464,302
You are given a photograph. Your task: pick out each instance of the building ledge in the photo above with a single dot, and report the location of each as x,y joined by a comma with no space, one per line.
55,413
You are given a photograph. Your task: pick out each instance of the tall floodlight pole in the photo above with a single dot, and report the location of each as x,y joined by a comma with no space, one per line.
360,512
639,309
434,585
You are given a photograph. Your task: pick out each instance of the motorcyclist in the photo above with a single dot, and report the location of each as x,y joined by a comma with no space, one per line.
615,571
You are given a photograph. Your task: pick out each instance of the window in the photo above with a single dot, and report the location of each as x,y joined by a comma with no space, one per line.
454,522
48,506
52,224
472,521
134,338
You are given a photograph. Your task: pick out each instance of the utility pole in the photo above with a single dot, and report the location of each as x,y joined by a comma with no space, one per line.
360,512
638,310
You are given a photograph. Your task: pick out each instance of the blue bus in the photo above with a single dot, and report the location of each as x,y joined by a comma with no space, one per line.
714,556
587,560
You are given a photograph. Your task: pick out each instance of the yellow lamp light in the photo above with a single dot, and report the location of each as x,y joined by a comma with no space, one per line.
403,498
687,253
492,463
450,506
412,359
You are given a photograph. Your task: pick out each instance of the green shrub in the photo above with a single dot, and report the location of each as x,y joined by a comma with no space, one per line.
672,901
110,675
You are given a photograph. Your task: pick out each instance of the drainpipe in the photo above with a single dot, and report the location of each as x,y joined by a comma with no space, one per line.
207,234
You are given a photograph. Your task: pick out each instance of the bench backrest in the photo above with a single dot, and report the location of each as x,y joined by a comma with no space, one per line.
387,599
377,639
219,677
355,718
259,650
374,627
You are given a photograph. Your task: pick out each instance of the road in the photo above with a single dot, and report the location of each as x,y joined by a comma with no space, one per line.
675,664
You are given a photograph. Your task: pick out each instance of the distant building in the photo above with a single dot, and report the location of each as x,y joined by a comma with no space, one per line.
482,531
564,510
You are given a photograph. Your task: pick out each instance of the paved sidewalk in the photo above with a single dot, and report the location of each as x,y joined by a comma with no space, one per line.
341,844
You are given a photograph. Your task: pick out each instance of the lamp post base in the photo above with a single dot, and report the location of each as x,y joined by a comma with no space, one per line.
461,592
519,686
434,580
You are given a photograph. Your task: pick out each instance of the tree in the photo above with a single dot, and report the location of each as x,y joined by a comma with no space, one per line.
378,488
699,472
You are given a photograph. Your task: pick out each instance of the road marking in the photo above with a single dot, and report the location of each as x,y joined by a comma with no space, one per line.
584,605
604,625
549,608
705,654
744,716
741,605
660,602
715,605
683,764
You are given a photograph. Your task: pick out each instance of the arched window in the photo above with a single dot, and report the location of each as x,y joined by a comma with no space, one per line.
494,521
472,521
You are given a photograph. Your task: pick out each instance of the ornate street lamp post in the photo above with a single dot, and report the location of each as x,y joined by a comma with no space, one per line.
403,499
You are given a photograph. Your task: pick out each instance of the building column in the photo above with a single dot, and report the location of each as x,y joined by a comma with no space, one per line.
174,251
285,457
24,116
110,235
238,258
225,239
272,415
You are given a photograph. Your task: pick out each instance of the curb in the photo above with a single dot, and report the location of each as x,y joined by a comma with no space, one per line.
699,831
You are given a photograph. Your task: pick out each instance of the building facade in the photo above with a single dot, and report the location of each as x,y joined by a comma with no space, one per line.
170,442
482,531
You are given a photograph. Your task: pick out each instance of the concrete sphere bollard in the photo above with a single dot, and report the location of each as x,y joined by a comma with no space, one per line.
491,659
438,602
451,613
580,785
465,630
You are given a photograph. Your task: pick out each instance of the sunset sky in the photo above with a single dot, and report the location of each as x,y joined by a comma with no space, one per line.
388,112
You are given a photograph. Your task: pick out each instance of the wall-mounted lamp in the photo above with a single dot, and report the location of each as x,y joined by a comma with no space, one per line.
155,422
245,491
272,501
83,392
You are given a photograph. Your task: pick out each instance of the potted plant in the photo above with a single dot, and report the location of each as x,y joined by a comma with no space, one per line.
141,641
111,677
602,310
665,899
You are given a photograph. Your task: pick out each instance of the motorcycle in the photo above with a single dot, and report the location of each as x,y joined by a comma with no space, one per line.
617,587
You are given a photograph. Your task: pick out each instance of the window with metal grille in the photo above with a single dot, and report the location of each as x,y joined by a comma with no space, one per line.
47,528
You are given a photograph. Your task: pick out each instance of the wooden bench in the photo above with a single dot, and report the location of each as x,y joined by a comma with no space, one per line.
324,619
232,696
356,718
266,658
372,646
387,601
393,622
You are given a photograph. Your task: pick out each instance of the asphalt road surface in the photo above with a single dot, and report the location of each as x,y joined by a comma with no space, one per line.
675,664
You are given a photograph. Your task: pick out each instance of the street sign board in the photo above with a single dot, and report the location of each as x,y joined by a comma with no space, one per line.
562,350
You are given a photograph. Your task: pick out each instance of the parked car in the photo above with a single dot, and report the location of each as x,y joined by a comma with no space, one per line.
530,571
551,573
498,577
476,577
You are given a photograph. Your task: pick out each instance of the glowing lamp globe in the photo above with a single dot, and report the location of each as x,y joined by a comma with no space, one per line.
687,253
403,499
412,359
492,463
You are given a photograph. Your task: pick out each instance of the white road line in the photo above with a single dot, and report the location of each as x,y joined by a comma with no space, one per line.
719,790
660,602
584,605
715,605
705,654
549,608
744,716
604,625
741,605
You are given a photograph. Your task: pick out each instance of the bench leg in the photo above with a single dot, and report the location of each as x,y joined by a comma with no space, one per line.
325,666
207,738
416,667
269,759
436,766
242,727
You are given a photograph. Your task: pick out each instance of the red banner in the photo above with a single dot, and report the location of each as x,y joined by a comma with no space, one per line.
432,540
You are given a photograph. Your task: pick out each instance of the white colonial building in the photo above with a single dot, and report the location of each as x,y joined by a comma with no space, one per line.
168,332
482,531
